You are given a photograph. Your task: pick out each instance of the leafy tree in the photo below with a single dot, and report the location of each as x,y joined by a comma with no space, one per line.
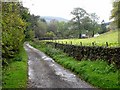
31,26
95,27
36,26
113,26
41,29
50,34
79,14
103,26
25,15
116,13
52,26
62,27
85,22
13,27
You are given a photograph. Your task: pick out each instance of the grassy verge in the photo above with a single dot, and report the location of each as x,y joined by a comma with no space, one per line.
97,73
15,74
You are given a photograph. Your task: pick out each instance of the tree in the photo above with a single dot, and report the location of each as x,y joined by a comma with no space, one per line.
103,26
79,14
25,15
116,13
13,27
86,24
95,27
36,27
41,29
113,26
50,34
52,26
62,27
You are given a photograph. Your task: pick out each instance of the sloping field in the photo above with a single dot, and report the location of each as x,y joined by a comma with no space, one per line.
111,37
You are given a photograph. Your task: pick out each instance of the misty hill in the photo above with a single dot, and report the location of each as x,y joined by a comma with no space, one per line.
49,18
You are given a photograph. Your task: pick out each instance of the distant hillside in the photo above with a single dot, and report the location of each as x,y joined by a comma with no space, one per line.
49,18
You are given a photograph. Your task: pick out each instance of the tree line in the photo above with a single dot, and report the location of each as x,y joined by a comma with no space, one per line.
82,23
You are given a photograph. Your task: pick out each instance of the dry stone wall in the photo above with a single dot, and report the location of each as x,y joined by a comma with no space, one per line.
110,54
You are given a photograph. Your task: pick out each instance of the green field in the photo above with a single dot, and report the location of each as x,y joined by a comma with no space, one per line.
111,37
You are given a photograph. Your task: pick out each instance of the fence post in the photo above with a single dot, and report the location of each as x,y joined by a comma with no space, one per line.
93,44
106,44
66,42
71,42
80,43
55,45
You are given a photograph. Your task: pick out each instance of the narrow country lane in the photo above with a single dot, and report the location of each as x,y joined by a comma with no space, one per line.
43,72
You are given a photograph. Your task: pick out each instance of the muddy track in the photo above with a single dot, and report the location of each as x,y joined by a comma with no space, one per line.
43,72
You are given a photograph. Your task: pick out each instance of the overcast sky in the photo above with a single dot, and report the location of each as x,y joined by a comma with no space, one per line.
62,8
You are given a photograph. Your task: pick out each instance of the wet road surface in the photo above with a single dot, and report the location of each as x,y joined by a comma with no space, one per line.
43,72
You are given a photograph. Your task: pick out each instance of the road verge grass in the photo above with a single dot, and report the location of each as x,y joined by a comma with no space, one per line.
15,74
97,73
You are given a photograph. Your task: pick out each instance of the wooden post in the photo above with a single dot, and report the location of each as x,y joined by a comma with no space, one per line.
71,42
93,44
106,44
66,42
80,43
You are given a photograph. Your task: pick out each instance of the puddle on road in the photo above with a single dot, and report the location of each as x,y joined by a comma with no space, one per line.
30,70
64,74
47,58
